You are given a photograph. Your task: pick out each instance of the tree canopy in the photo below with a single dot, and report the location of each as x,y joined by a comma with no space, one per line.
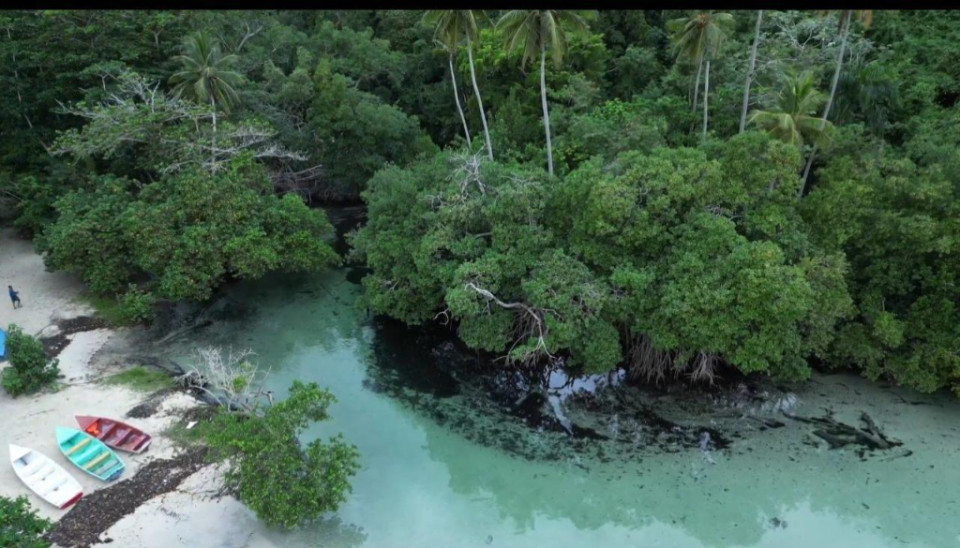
605,222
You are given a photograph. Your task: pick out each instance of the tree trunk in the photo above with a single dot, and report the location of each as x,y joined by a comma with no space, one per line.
750,73
543,99
806,172
16,78
844,34
696,85
476,90
456,97
706,93
213,149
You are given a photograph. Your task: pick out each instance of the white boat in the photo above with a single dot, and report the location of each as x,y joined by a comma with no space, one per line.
44,477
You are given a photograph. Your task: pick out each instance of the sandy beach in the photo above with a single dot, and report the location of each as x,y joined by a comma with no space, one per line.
187,516
46,296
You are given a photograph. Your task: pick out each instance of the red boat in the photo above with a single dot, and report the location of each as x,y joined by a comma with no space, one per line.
115,434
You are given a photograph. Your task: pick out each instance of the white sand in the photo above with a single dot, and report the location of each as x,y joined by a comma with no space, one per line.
39,415
76,356
188,516
46,296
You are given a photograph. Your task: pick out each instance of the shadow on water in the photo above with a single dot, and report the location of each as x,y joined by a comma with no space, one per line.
423,360
448,440
325,532
760,479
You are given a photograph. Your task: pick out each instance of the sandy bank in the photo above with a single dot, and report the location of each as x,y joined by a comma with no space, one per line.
46,296
51,296
39,416
189,516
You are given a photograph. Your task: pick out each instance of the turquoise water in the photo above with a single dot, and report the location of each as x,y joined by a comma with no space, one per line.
424,483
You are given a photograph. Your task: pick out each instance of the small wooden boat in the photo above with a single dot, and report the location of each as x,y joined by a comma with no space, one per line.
44,477
89,454
115,434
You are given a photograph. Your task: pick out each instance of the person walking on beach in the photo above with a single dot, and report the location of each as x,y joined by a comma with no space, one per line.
14,297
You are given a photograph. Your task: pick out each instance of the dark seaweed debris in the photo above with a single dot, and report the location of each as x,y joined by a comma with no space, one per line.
95,513
839,435
513,409
55,344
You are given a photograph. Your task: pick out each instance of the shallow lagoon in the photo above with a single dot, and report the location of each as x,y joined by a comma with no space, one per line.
423,483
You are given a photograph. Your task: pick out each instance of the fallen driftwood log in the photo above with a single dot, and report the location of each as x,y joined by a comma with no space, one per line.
185,329
838,434
170,366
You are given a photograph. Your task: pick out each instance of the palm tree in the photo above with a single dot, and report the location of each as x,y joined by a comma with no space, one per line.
791,117
864,16
698,38
452,26
205,77
538,31
456,94
750,73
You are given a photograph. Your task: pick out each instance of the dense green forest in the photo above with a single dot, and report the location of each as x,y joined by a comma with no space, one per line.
674,192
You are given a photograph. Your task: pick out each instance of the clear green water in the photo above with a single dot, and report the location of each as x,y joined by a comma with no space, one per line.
424,484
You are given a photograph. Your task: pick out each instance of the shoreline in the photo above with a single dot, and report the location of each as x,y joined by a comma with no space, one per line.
88,352
193,512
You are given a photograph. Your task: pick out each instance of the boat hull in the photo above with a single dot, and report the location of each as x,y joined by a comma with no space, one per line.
115,434
89,454
47,479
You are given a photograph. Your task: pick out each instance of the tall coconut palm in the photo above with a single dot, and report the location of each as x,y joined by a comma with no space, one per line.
698,38
537,31
751,72
456,93
452,26
791,117
865,17
205,77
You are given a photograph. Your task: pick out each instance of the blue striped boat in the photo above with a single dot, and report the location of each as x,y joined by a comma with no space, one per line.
89,454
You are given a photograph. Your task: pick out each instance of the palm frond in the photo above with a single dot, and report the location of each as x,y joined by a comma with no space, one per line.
791,116
204,73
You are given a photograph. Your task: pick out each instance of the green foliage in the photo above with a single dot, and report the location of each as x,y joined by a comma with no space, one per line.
610,129
187,232
533,31
350,132
793,116
34,203
65,56
20,526
896,222
180,435
700,35
135,306
204,74
88,238
697,248
453,26
283,482
142,378
29,369
357,133
703,254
